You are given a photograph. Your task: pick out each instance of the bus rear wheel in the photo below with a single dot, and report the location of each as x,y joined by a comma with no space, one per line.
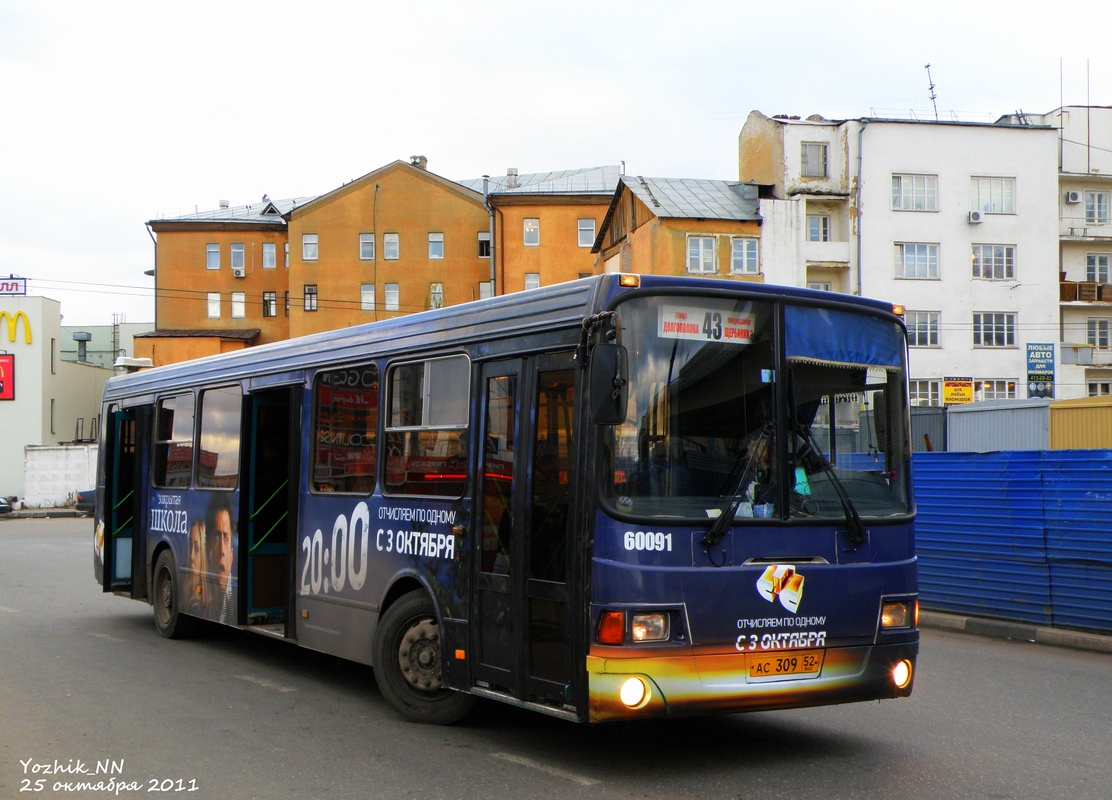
409,663
168,619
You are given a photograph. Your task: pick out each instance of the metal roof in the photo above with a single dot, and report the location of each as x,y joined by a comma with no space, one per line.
587,180
246,334
688,198
266,211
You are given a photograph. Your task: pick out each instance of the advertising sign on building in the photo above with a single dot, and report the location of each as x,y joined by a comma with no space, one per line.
7,376
13,286
956,391
1040,369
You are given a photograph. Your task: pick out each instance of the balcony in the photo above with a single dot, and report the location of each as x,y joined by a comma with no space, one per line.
1079,228
827,254
1084,292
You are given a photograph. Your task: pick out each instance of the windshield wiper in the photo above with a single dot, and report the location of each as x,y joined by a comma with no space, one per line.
854,526
722,522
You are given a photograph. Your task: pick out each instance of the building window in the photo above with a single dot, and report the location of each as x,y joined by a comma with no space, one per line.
367,297
1096,208
744,256
270,304
532,232
239,305
366,247
238,261
436,245
287,302
818,228
218,465
214,305
1096,267
813,160
994,390
922,328
309,298
270,255
1099,388
1097,329
993,329
308,247
532,280
486,290
391,244
915,192
914,260
819,286
286,255
484,244
436,295
994,262
925,393
992,195
212,256
586,233
392,303
700,255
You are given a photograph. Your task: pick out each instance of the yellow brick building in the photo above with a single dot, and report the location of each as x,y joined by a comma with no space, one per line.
675,226
398,240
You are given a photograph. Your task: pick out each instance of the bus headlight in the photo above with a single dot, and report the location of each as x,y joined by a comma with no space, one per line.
634,693
651,627
897,614
901,674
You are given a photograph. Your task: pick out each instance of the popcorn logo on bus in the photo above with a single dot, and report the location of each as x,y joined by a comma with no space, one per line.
781,581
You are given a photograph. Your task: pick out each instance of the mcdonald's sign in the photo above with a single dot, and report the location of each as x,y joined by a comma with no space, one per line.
13,322
7,376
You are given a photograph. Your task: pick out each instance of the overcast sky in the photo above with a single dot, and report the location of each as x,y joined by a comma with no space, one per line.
116,113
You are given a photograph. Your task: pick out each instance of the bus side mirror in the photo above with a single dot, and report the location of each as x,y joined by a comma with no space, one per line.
609,384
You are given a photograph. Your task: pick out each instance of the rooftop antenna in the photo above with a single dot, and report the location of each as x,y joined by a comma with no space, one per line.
934,97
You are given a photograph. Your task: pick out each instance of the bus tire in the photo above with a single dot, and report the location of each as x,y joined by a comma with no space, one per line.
168,619
408,663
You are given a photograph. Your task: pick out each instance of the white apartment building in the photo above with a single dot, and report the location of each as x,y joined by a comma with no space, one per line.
1085,244
955,221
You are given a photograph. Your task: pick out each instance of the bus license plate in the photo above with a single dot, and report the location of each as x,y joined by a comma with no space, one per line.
789,664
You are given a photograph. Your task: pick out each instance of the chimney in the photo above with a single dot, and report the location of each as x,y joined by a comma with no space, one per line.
82,338
419,161
511,178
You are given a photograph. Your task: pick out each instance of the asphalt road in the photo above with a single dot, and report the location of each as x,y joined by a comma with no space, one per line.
86,681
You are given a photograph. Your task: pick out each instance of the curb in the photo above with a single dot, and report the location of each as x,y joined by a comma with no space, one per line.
45,513
1021,631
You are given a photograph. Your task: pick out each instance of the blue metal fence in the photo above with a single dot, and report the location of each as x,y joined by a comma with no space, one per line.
1021,535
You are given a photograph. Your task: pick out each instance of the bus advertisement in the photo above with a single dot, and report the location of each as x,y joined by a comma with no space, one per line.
619,498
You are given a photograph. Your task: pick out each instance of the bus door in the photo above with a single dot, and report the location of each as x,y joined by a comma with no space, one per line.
270,496
123,528
522,618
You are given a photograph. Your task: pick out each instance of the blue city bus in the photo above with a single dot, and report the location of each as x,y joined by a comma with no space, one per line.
618,498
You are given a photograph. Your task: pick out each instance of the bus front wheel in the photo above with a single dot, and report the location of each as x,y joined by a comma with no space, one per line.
168,619
408,663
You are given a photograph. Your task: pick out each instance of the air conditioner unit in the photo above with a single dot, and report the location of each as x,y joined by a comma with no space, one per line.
239,272
1073,197
976,216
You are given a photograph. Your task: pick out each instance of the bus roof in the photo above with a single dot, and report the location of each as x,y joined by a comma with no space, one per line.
550,308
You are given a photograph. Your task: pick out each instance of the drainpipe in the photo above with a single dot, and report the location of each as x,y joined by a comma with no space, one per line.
857,202
490,229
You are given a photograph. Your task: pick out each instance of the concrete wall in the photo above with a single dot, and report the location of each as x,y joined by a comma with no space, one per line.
54,475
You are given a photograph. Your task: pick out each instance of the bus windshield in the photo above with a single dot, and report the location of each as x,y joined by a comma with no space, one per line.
737,407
